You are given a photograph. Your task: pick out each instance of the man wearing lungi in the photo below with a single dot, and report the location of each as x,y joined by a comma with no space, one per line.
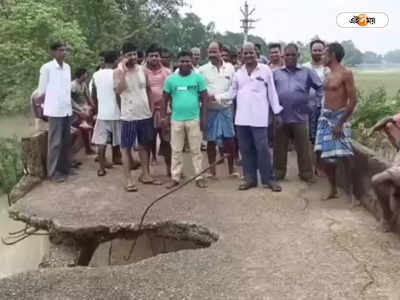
218,75
333,138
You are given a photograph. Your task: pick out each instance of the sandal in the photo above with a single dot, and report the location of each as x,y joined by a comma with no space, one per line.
274,186
211,176
245,185
172,184
131,188
101,173
201,183
153,181
234,175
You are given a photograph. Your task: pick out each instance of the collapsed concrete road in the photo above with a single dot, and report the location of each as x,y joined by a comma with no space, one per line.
239,245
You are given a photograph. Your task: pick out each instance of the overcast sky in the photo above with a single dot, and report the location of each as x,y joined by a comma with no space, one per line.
292,20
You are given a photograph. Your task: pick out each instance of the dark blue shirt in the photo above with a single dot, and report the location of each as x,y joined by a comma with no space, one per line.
293,88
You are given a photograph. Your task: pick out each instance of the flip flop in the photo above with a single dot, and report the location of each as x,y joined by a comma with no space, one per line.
131,188
201,183
234,175
211,176
172,184
153,181
101,173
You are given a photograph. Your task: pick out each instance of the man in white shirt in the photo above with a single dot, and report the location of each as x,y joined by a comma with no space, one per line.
254,88
218,75
317,48
107,128
136,116
55,84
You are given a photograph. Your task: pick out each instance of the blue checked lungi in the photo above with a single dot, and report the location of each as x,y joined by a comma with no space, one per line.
324,142
220,125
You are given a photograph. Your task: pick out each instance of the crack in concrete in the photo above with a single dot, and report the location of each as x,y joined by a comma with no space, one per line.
371,277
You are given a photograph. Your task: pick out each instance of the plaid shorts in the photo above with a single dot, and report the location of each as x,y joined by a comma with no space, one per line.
137,131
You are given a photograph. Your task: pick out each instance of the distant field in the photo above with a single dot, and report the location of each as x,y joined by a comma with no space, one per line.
367,80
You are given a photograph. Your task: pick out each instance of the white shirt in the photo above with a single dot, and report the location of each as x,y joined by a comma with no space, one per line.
218,82
55,83
254,93
134,100
322,73
107,100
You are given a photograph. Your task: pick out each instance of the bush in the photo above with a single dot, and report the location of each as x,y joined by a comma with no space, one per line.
11,169
373,107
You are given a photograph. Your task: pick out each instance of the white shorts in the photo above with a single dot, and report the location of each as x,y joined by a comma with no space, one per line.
107,132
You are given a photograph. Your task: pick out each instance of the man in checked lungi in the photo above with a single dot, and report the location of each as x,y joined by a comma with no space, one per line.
220,132
333,138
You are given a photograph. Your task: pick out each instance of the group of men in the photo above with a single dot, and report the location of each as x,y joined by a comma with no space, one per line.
223,102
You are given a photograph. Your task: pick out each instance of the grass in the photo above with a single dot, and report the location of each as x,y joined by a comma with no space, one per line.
369,80
18,125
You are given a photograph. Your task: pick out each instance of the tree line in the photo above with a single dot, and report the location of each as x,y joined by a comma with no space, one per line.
91,26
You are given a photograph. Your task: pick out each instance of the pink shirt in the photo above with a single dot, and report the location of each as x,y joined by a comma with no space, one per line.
155,85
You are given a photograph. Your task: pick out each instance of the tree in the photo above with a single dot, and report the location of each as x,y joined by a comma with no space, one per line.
25,32
353,56
393,56
28,26
370,57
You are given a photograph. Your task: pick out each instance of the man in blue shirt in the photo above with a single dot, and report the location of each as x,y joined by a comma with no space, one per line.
293,84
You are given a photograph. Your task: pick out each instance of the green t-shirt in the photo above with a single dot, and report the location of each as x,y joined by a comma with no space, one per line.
185,91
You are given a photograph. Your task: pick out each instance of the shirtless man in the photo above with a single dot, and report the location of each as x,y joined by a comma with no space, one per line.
333,139
386,184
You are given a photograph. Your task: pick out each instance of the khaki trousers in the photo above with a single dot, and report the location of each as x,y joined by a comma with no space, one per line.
298,131
180,129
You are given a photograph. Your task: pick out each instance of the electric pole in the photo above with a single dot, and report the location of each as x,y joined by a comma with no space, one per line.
247,23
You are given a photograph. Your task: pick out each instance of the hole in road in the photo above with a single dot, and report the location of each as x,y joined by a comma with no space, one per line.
163,239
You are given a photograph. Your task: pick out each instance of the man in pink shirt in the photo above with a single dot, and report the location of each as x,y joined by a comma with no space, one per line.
156,75
254,89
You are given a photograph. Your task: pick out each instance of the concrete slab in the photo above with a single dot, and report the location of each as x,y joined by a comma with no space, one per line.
287,245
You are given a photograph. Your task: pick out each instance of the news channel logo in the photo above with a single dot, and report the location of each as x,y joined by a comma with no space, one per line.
362,20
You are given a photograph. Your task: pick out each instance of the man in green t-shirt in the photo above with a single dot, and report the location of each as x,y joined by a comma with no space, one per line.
187,90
